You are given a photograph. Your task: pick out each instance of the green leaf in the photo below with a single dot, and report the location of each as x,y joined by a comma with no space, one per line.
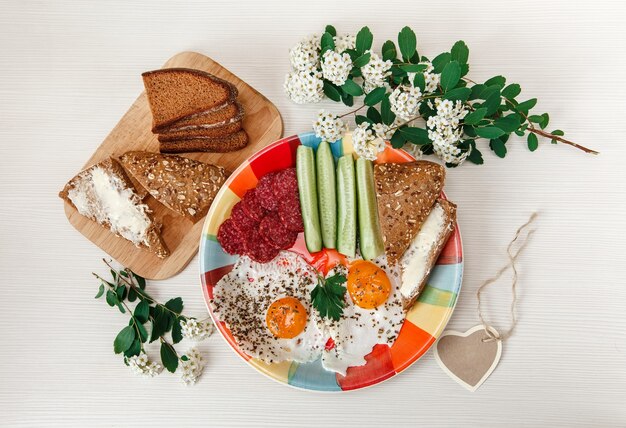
407,42
331,91
476,91
492,103
533,142
441,61
352,88
557,132
460,52
143,333
100,292
124,339
498,147
175,305
413,68
328,296
177,331
111,298
527,105
114,275
159,324
389,51
142,311
359,119
132,294
362,60
169,358
535,118
489,132
415,135
475,156
508,123
347,99
450,75
475,116
374,115
120,290
458,94
385,111
134,349
499,81
488,91
419,81
545,119
375,96
511,91
331,30
397,139
364,39
327,43
121,307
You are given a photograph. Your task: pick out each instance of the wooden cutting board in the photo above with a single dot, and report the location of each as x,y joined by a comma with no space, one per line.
263,124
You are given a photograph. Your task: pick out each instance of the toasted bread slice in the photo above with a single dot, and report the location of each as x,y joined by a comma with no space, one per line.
198,132
175,93
419,259
229,143
105,194
185,186
229,113
405,194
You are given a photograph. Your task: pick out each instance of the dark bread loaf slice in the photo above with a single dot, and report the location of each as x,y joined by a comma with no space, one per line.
229,143
175,93
229,113
104,193
212,132
405,194
184,185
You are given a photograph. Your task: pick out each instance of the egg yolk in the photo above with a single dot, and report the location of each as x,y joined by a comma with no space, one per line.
286,318
368,284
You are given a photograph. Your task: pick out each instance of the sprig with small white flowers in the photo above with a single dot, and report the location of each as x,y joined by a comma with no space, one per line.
401,87
127,287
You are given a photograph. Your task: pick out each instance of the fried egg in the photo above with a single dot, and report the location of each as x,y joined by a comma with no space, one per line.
267,307
373,313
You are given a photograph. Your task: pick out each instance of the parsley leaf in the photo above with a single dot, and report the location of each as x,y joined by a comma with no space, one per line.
328,296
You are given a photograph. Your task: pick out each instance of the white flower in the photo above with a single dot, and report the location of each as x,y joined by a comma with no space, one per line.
194,330
328,126
305,55
382,131
191,366
445,131
413,149
303,87
432,79
375,72
141,365
344,42
336,67
365,143
405,102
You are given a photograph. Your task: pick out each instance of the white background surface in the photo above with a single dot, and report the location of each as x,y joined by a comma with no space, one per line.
68,72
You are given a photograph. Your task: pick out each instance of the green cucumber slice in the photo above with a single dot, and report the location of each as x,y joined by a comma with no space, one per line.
346,206
326,192
305,171
370,240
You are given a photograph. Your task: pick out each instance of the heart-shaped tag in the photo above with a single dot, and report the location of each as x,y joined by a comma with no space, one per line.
466,358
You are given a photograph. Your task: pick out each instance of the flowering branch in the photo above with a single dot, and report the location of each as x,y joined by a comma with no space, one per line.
400,86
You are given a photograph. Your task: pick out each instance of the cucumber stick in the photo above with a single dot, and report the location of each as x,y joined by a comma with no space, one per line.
307,186
326,192
346,206
370,241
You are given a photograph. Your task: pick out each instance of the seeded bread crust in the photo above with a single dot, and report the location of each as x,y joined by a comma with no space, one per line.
185,186
229,143
447,228
405,194
213,132
177,93
229,113
153,233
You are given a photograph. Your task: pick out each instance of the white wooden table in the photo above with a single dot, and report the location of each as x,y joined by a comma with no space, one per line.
69,70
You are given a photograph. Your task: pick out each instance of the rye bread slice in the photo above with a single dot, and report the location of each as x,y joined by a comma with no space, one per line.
229,113
212,132
229,143
101,191
183,185
405,194
175,93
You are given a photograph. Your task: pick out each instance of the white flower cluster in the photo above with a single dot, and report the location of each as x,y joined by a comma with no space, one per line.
365,143
375,72
382,131
344,42
445,131
405,101
194,330
304,84
336,67
191,366
305,56
141,365
328,126
432,79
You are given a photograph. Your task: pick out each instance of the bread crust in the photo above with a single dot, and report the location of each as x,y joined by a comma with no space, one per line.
229,143
205,121
211,132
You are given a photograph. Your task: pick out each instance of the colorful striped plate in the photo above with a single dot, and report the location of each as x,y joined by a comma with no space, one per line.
424,322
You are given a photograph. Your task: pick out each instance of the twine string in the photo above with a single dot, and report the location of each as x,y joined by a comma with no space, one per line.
492,333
